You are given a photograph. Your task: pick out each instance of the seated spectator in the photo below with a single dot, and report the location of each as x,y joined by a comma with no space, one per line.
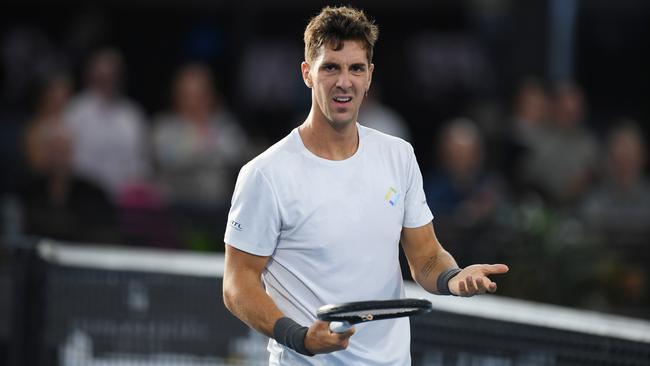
47,120
108,130
531,111
198,146
530,114
620,204
462,187
618,212
57,203
563,156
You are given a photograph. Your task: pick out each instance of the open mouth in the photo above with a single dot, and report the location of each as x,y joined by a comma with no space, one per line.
342,99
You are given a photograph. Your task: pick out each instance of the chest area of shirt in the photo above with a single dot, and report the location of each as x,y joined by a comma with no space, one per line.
347,197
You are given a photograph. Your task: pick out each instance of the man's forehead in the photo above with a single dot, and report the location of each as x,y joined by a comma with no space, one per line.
348,48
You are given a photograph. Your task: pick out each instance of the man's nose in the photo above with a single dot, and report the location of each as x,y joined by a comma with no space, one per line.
344,81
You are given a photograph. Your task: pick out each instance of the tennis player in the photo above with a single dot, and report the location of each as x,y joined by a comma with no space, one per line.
318,217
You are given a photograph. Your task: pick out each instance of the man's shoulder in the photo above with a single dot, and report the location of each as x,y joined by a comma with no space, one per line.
376,139
275,157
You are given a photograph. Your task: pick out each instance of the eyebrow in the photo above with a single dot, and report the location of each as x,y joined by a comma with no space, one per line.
335,63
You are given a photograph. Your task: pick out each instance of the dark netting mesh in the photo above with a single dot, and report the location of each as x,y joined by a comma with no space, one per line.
442,338
6,300
94,316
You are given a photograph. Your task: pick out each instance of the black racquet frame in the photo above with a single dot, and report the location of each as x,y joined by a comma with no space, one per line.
367,310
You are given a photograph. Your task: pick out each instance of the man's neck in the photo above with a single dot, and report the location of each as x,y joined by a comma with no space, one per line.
327,141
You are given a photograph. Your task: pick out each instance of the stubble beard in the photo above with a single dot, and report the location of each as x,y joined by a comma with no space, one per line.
339,124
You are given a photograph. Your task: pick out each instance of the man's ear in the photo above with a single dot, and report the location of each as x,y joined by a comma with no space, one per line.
370,70
306,77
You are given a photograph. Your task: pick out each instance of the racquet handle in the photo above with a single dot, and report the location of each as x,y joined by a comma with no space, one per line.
340,327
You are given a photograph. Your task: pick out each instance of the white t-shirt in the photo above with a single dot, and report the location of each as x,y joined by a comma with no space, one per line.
332,229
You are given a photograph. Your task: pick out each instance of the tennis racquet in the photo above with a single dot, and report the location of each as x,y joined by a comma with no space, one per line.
343,316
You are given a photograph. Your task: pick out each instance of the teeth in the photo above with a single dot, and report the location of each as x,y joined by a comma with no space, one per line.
342,99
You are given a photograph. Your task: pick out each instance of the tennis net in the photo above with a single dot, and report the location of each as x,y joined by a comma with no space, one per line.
117,306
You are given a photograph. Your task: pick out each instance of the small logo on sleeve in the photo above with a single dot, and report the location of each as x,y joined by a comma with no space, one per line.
235,225
392,196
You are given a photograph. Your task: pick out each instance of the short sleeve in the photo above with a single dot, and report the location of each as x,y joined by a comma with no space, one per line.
254,219
416,209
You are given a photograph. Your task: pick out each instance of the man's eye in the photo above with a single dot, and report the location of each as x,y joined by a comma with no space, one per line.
329,67
358,69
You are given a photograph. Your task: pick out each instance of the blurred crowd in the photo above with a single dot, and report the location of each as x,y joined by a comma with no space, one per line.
96,168
565,205
557,201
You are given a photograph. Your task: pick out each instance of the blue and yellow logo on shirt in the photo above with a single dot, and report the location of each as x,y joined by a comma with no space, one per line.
392,196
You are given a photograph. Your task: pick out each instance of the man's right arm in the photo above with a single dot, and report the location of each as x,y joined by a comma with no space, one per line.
244,296
243,292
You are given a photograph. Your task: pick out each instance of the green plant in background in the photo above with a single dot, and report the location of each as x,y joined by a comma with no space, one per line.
200,240
552,259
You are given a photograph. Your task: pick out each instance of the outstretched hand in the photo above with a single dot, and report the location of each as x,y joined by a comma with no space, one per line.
474,280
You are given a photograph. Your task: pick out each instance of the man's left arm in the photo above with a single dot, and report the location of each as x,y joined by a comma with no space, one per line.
431,264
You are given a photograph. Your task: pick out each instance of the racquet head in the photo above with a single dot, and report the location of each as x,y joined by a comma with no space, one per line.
343,316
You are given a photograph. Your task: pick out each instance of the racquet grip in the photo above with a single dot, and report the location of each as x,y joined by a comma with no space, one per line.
340,327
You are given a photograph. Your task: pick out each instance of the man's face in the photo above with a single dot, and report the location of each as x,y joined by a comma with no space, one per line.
339,80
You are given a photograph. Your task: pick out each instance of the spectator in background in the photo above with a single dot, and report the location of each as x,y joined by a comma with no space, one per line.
48,121
56,202
620,204
199,145
375,114
108,130
531,111
563,156
462,187
618,212
530,115
27,56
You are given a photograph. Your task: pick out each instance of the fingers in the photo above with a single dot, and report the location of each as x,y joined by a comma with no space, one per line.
320,339
481,287
346,334
495,268
474,280
470,286
342,340
339,327
467,287
492,287
462,288
485,285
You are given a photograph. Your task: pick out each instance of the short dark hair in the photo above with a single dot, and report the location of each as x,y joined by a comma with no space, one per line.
337,24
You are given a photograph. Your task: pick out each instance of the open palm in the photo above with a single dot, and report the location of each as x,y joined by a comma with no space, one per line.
474,280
